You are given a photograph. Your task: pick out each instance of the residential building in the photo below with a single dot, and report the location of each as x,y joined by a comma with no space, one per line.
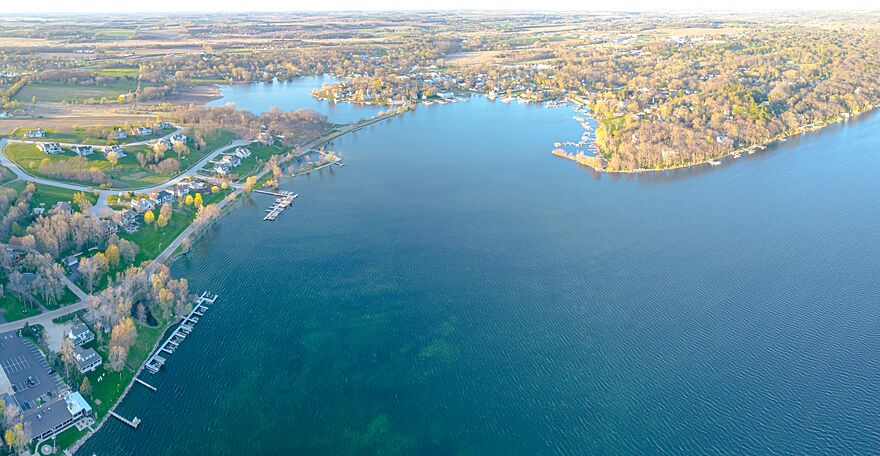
231,160
38,133
129,221
142,131
50,148
142,205
120,152
80,334
242,152
221,169
178,139
108,228
83,151
164,126
163,197
119,134
63,208
86,359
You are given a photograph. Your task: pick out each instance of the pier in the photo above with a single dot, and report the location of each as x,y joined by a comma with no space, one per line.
145,384
133,423
183,329
283,201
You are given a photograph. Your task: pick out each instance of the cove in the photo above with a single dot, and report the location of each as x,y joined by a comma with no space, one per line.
455,289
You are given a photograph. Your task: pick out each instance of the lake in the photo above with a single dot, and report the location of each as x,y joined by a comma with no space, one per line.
456,289
293,95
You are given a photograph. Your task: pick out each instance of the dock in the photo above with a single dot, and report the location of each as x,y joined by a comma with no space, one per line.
133,423
145,384
183,329
283,201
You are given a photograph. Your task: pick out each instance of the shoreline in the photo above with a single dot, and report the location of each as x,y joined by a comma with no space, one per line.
718,160
170,256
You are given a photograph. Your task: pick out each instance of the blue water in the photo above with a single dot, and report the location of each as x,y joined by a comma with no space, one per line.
455,289
293,95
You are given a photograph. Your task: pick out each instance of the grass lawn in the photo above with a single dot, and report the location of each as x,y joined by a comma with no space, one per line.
152,240
96,136
119,72
128,173
57,92
260,154
13,309
47,195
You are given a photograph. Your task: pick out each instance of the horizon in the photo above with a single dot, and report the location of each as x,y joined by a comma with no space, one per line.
57,7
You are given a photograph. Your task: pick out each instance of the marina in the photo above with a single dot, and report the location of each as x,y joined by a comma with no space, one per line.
283,201
155,362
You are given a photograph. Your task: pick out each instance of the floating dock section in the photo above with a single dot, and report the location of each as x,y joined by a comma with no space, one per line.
183,329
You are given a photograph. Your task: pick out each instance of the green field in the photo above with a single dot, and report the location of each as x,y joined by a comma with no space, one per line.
56,92
128,173
13,308
96,136
47,195
119,72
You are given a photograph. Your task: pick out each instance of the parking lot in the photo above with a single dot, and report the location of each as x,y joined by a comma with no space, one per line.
27,371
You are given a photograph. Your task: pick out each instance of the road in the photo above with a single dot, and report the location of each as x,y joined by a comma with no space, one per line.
192,171
177,130
46,317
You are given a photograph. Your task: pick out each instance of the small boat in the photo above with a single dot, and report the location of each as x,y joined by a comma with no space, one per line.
714,162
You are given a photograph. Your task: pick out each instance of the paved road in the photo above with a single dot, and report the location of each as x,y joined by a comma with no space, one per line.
192,171
177,130
46,318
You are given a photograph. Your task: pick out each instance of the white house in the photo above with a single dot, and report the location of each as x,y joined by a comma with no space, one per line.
242,152
83,151
38,133
80,334
86,359
50,148
143,131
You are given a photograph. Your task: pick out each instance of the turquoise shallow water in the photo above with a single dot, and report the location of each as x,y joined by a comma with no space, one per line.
455,289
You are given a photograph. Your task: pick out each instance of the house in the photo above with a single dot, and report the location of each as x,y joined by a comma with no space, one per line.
38,133
129,221
166,142
231,160
198,186
142,131
142,205
56,415
242,152
63,208
163,197
83,151
86,359
120,152
108,228
164,126
221,169
80,334
51,148
119,134
71,261
38,211
180,190
266,138
178,139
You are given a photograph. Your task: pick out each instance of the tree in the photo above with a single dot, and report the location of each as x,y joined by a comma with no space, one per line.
215,189
89,269
198,200
250,183
181,148
16,439
224,185
82,200
149,217
161,221
188,200
113,158
67,354
86,387
165,211
113,255
116,359
128,250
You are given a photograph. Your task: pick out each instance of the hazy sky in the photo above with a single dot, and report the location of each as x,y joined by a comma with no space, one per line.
110,6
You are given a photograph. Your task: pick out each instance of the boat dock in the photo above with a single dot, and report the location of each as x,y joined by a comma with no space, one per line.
283,201
184,329
133,423
145,384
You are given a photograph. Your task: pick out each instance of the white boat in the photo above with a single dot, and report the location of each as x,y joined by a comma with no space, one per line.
714,162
